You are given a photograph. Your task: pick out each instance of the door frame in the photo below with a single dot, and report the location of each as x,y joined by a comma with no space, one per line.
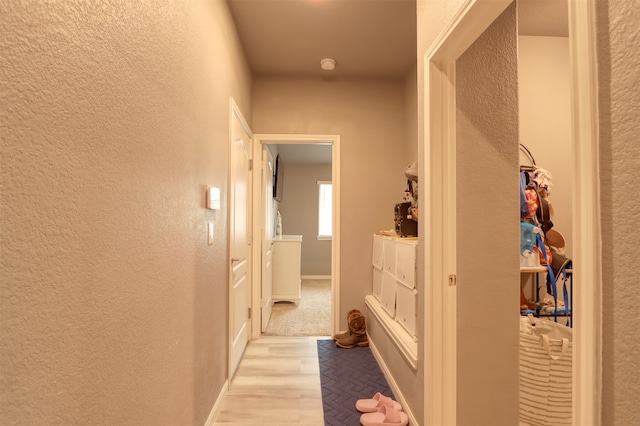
439,161
259,140
236,113
266,253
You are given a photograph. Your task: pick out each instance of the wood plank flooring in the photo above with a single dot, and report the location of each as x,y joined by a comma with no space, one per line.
277,383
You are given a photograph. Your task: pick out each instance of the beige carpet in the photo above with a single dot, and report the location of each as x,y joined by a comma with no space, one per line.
311,317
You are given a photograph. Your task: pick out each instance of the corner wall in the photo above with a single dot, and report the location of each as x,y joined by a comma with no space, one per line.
487,232
544,82
115,118
618,49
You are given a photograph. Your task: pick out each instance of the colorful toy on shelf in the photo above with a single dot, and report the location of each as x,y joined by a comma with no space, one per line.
528,258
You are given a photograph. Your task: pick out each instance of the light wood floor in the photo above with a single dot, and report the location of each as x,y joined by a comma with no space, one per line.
277,383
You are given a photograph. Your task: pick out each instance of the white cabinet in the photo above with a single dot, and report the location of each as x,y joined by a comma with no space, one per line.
389,261
378,252
406,299
388,293
377,283
287,252
406,263
394,279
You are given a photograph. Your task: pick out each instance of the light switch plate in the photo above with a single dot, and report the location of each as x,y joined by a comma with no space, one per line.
213,198
210,233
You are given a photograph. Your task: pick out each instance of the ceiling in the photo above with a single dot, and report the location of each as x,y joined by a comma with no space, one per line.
305,154
375,38
367,38
548,18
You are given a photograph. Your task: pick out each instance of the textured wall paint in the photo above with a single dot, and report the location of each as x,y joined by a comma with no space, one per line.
411,115
619,103
487,225
114,120
299,210
369,117
545,118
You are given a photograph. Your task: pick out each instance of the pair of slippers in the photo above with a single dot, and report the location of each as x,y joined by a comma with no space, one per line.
381,411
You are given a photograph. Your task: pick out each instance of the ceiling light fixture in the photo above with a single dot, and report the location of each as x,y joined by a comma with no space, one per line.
328,64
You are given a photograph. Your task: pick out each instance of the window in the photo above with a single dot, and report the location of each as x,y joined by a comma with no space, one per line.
325,210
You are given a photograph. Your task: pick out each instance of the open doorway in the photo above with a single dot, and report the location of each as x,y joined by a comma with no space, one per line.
442,91
301,206
295,237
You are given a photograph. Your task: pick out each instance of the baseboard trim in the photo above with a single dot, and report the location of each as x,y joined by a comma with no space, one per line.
392,382
216,407
315,277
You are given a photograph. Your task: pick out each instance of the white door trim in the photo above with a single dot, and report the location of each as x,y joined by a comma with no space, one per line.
237,114
472,19
587,270
334,140
265,213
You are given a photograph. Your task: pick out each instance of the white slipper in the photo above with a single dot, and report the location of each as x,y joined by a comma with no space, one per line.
372,405
385,416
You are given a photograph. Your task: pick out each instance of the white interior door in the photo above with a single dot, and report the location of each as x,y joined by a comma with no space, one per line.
267,236
240,267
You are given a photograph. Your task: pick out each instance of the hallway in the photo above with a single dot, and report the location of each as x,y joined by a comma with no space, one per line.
116,127
277,382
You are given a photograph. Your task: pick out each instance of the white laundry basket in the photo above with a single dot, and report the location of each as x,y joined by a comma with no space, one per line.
545,372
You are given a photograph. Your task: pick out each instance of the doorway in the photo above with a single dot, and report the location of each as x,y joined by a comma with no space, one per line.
286,151
301,204
440,161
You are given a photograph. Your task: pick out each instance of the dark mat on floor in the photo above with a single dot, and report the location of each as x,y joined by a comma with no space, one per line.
347,375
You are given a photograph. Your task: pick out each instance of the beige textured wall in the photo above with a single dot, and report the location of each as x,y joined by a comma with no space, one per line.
487,230
410,381
619,104
114,119
299,210
545,118
369,117
411,115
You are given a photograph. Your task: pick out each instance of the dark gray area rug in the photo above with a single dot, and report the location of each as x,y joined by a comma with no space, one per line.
347,375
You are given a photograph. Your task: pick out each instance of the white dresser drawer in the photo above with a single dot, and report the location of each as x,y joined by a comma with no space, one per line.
287,252
378,252
406,308
388,293
377,283
406,263
389,247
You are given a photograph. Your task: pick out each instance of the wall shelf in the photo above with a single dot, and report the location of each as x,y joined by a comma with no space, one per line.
405,342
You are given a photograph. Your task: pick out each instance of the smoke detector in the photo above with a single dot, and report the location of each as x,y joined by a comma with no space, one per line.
328,64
